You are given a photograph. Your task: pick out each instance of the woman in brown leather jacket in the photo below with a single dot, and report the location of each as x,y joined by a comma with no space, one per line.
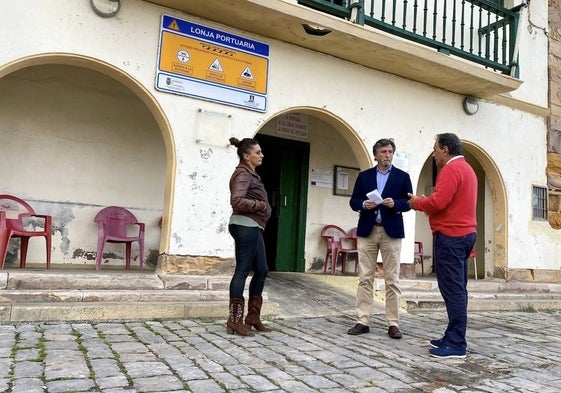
251,211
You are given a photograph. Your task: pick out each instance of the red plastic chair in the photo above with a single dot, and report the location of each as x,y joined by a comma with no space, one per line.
113,224
19,227
419,256
332,235
348,245
5,234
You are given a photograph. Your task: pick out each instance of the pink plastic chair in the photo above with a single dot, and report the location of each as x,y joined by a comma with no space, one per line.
113,224
5,234
332,234
419,256
348,245
19,227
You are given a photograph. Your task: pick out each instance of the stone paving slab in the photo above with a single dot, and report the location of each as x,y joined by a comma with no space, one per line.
507,352
111,311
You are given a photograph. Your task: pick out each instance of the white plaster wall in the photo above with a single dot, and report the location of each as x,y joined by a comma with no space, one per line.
372,103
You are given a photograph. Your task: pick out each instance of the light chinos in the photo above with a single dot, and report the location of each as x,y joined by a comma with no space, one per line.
368,248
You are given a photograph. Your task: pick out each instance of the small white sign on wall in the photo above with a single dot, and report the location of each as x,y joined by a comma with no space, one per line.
213,128
293,125
401,160
322,178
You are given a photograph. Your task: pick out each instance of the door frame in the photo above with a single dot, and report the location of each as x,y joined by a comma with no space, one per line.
300,236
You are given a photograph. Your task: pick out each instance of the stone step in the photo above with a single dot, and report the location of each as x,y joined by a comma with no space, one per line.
27,295
60,295
115,311
111,295
484,295
416,302
108,280
422,294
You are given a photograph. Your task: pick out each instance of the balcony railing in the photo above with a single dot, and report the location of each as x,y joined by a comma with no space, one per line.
481,31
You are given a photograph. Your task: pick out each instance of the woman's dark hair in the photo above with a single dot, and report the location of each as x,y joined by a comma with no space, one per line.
244,146
381,143
451,141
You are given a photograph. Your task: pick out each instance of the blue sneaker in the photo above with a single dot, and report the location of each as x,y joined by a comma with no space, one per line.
448,353
437,343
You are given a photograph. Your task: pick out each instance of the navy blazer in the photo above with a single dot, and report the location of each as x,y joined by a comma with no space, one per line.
397,187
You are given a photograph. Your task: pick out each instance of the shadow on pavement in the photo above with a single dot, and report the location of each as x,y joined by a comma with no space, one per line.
306,295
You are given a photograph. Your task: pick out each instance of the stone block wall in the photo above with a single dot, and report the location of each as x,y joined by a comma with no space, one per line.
554,137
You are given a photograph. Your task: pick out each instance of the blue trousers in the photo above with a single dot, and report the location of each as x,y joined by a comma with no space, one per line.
451,263
250,255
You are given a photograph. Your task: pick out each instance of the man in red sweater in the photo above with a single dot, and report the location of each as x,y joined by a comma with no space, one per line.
452,217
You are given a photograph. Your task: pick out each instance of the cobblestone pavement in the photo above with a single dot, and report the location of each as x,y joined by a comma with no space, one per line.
508,352
308,351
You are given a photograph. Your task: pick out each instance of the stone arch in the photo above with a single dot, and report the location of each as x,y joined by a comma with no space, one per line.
500,211
332,142
491,246
136,88
347,132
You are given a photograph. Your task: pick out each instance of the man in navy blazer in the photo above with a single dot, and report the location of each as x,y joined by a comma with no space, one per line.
380,229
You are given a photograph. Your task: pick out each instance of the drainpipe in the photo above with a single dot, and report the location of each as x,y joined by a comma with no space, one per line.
357,11
514,68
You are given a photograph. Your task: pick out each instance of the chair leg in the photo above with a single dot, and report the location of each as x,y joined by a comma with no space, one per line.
128,255
141,253
343,263
48,246
24,243
5,235
99,255
325,262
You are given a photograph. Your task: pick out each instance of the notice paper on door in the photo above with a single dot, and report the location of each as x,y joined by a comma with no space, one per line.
375,196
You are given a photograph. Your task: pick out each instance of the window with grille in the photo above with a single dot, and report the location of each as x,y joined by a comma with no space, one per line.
539,203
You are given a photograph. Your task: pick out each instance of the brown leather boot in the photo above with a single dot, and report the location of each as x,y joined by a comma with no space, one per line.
253,317
235,323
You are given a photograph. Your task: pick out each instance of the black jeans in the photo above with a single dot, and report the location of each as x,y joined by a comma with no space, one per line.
250,255
451,263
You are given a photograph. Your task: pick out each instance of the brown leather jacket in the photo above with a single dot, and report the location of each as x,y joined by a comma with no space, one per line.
248,196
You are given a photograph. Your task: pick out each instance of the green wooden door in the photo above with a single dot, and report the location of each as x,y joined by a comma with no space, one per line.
285,175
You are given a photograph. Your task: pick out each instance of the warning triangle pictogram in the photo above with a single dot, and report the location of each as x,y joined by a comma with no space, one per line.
216,66
246,73
173,25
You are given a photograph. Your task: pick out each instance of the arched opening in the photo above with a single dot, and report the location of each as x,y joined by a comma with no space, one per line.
298,173
492,227
82,131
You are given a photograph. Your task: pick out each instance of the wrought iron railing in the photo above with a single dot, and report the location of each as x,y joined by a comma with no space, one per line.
481,31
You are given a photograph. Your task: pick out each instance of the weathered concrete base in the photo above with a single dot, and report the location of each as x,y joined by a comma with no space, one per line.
48,295
27,312
534,275
42,295
188,264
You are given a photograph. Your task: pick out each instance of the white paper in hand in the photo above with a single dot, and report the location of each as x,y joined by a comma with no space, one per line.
375,196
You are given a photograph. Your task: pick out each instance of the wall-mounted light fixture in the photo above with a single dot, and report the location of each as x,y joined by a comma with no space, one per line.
315,30
106,8
471,105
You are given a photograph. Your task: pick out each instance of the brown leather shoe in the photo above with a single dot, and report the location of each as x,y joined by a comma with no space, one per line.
358,329
393,332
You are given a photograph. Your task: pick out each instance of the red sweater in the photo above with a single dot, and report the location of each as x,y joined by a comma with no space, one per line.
451,206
